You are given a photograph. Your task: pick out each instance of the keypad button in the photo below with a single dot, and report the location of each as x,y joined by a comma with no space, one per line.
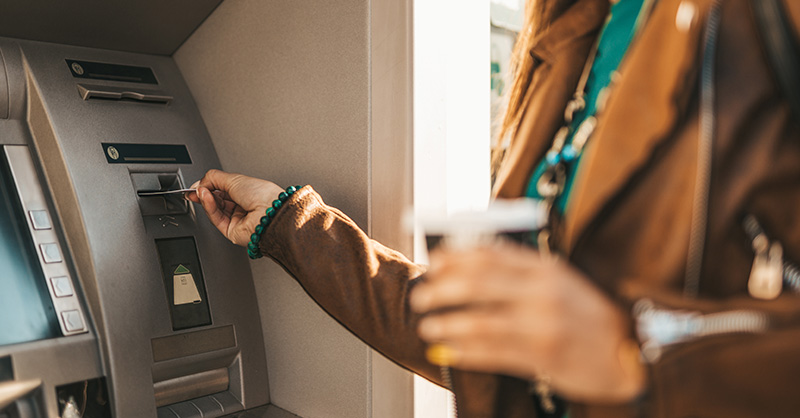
72,321
40,219
51,253
61,286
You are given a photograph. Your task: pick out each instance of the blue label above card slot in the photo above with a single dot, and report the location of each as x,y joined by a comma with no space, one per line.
146,154
111,72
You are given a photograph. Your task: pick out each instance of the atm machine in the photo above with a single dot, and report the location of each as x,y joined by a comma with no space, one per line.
114,302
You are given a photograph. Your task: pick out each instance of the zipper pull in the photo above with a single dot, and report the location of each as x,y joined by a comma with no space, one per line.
542,388
766,275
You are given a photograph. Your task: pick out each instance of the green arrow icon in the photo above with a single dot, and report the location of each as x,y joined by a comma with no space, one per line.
181,270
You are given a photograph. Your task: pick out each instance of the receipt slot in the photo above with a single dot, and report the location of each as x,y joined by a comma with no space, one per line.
183,280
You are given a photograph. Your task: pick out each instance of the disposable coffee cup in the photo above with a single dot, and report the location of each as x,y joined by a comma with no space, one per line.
517,220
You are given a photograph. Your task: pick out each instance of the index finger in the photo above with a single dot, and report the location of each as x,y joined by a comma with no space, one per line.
510,256
217,180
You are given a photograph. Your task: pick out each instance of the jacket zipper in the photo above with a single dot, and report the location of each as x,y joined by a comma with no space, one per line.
791,276
705,148
659,328
760,240
447,379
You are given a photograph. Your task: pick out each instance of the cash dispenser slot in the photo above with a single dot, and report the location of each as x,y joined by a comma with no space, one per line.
197,374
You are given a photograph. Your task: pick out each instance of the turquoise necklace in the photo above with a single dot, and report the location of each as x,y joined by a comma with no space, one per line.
552,179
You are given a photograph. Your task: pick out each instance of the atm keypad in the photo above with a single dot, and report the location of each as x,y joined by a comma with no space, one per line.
51,253
72,321
61,286
40,220
54,265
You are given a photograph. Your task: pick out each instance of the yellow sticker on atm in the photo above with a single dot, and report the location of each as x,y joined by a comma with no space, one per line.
184,288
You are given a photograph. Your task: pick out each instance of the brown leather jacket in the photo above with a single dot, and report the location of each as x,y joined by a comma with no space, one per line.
628,222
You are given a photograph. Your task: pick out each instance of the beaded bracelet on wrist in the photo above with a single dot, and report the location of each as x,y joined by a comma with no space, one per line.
252,246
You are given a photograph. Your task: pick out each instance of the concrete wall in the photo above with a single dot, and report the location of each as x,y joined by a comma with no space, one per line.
314,92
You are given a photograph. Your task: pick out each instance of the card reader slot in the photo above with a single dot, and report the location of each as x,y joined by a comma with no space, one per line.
160,204
92,91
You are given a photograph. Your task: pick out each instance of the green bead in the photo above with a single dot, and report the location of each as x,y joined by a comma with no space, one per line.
255,238
290,190
270,213
253,255
283,196
252,246
298,187
259,230
265,220
277,204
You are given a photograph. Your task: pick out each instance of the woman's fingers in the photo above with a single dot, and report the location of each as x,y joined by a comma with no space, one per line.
477,277
233,202
459,289
213,210
466,325
478,340
217,180
193,197
488,356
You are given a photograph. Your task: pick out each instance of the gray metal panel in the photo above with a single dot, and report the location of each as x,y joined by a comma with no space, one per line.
269,411
15,77
13,132
115,249
56,362
146,26
3,88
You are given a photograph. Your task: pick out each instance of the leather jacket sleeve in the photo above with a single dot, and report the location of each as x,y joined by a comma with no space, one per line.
358,281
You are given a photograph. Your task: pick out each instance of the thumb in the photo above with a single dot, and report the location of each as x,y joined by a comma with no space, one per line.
213,211
217,180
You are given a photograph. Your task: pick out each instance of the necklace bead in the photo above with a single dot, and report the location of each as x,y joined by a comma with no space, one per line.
569,153
552,157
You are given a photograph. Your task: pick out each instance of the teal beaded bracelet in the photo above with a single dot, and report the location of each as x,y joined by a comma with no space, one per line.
252,246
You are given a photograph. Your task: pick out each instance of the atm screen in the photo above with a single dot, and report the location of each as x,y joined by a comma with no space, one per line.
26,310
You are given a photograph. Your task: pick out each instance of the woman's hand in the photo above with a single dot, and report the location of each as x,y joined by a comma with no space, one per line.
507,310
234,203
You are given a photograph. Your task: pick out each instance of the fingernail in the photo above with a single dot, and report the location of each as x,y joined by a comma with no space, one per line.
441,355
195,185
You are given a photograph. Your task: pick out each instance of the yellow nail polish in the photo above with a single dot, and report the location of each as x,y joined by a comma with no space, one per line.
441,355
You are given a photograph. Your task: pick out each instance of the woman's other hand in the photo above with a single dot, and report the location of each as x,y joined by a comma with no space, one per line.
507,310
234,203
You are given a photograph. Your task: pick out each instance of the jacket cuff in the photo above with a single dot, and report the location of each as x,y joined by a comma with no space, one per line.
287,221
